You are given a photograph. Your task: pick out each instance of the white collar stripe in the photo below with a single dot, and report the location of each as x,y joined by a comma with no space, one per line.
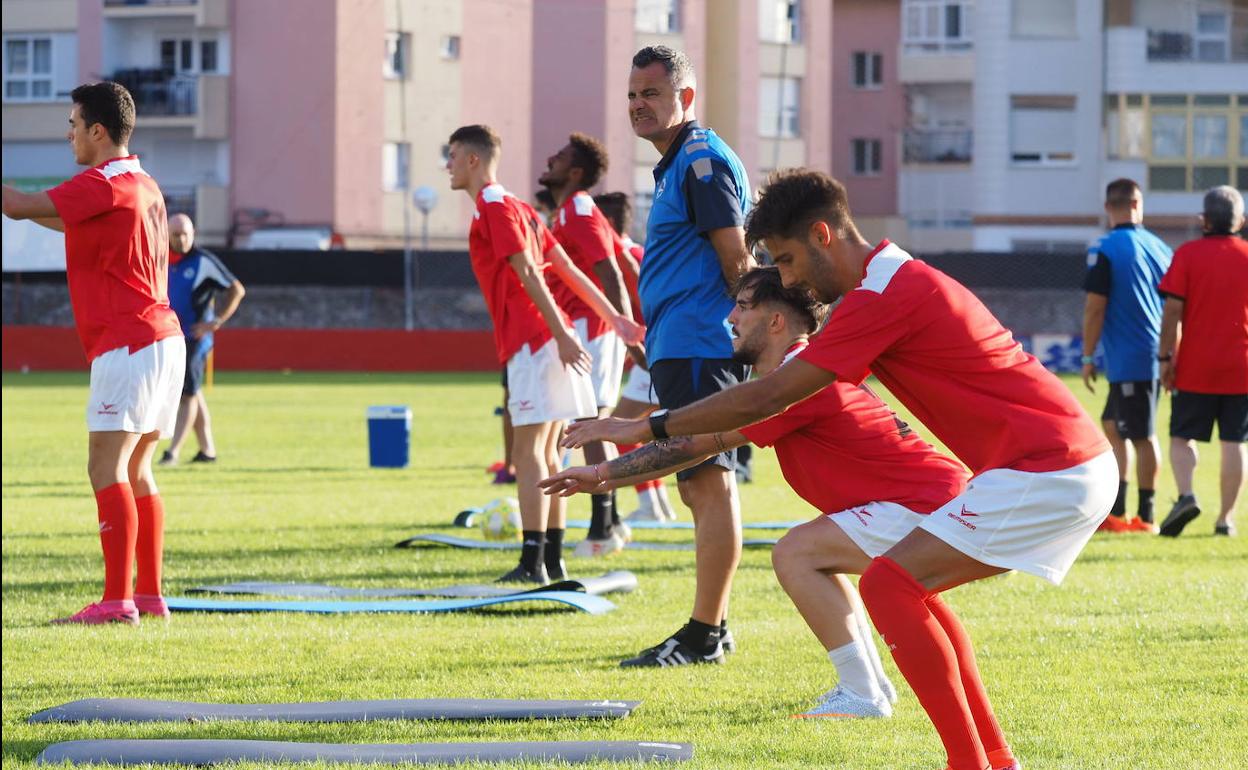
883,267
122,166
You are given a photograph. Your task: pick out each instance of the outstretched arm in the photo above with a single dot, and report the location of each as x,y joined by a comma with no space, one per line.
728,410
20,205
584,288
652,461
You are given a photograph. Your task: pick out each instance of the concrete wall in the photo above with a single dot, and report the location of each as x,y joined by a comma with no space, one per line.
359,29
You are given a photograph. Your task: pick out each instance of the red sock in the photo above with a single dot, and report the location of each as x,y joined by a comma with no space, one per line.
924,655
149,550
990,735
118,528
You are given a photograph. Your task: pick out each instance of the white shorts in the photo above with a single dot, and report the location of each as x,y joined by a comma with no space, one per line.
639,387
1032,522
876,527
137,392
541,389
605,373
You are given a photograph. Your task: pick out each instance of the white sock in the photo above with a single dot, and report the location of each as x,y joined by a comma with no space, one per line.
867,636
854,669
647,500
665,505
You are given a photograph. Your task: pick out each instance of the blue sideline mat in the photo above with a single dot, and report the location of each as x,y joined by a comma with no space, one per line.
584,524
140,710
618,581
212,752
594,605
434,538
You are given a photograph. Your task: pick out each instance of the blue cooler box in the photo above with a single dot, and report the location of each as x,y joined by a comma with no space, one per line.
389,436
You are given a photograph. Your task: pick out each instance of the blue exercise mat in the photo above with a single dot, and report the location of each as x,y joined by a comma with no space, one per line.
617,581
434,538
594,605
584,524
212,752
459,709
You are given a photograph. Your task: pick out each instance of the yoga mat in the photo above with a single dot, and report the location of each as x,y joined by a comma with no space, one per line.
619,581
594,605
491,545
211,752
140,710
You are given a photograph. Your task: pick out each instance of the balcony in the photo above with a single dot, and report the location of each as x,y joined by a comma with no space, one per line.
166,100
1140,60
936,145
207,13
1173,46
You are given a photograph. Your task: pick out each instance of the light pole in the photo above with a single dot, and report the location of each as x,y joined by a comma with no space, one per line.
425,198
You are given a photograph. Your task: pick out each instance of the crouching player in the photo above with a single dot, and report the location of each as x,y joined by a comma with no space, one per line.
846,453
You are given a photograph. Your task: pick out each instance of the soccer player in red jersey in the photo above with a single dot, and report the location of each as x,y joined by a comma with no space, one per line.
116,262
547,368
587,237
846,453
1043,474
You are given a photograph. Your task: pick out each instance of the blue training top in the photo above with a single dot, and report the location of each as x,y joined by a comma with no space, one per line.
1125,265
700,185
194,282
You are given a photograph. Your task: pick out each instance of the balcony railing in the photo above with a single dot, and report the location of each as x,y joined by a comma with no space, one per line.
179,199
115,3
1174,46
936,146
159,92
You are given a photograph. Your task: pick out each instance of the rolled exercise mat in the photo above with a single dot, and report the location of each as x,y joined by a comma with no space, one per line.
617,581
594,605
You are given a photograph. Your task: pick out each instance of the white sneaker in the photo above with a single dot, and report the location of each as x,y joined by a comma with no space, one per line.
889,691
590,548
645,514
840,703
623,532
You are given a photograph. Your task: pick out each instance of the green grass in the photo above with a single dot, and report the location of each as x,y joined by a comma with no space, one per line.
1136,662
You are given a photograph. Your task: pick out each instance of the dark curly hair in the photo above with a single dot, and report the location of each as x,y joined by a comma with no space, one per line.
766,287
793,200
590,156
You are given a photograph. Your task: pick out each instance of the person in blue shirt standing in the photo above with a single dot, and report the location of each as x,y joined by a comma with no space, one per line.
196,278
1123,312
695,251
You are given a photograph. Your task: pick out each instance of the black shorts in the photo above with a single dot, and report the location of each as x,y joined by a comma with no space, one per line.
1132,406
681,381
196,366
1192,416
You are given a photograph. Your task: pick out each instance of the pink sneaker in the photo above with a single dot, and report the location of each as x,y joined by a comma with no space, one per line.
152,604
99,613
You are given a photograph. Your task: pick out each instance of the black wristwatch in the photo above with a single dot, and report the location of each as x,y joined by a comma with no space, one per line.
658,423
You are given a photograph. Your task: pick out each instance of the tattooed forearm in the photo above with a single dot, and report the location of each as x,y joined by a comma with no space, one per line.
658,456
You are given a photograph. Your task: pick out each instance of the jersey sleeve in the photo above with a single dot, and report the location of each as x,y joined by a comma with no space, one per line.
506,228
590,239
1097,279
213,271
791,420
711,190
78,199
862,327
1174,282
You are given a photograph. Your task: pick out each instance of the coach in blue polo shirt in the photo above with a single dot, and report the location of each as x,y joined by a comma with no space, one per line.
695,251
1123,311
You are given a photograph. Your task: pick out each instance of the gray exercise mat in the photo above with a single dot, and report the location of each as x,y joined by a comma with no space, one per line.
212,752
617,581
140,710
435,538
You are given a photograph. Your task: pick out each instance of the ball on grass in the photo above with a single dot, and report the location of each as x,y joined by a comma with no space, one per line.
500,519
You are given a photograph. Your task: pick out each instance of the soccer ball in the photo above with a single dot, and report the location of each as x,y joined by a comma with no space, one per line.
500,519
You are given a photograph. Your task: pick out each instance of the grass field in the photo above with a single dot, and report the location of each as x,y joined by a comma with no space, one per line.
1137,661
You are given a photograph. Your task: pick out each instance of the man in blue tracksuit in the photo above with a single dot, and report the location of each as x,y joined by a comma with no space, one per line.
695,251
196,278
1123,312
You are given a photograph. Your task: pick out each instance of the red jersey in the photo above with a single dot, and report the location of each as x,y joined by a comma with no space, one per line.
843,447
625,245
116,256
504,225
938,349
585,234
1210,275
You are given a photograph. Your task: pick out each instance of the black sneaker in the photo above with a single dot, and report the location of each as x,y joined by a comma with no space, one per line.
167,458
522,575
1185,509
673,652
200,457
1224,530
557,572
726,641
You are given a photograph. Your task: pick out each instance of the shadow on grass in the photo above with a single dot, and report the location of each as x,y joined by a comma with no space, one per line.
22,751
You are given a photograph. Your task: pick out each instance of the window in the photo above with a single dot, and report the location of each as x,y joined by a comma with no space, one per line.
868,69
657,16
866,157
28,69
779,107
1195,141
450,47
778,21
936,26
1212,39
1170,135
1243,135
177,56
1044,18
398,46
207,56
1209,136
1042,129
1167,178
395,158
